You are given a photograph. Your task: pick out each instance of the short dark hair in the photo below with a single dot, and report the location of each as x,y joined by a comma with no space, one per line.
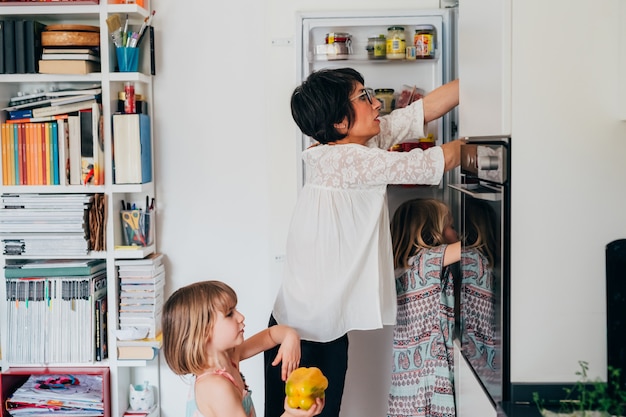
323,100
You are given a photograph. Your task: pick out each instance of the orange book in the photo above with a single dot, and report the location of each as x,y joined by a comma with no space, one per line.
5,155
21,140
33,163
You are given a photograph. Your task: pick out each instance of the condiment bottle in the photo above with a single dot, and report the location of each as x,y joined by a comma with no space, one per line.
385,96
396,42
377,47
424,41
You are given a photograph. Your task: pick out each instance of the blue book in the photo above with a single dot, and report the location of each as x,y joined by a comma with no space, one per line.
20,114
54,160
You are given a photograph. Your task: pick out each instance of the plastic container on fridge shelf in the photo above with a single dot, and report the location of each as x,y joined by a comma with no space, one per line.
336,46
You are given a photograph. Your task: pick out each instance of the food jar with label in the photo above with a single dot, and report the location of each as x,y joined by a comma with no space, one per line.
377,47
385,96
424,41
396,42
338,45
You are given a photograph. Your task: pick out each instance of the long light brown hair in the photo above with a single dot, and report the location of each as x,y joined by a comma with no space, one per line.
418,224
188,320
481,229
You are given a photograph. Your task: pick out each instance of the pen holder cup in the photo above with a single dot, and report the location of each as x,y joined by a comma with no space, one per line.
127,59
138,227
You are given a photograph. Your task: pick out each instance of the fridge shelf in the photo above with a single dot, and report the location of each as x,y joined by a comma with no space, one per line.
365,60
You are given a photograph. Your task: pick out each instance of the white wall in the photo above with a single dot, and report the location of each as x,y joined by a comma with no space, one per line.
569,181
226,174
226,157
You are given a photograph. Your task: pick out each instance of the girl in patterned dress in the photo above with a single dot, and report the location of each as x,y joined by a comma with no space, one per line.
424,245
203,336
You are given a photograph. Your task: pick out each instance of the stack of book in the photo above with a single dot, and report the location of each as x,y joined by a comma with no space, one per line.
70,49
58,311
53,138
141,294
45,224
69,60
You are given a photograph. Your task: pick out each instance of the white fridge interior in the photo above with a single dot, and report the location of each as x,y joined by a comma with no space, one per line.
425,74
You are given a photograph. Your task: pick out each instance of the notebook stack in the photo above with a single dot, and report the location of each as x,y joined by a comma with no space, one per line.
141,293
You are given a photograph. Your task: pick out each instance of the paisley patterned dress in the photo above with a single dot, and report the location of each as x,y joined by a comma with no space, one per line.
422,380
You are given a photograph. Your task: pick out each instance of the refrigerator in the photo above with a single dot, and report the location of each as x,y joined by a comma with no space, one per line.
370,354
421,75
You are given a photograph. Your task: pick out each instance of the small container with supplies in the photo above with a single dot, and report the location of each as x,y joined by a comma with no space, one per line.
424,41
127,59
396,42
138,227
377,47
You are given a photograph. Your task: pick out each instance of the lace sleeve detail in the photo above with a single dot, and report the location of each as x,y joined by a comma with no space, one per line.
354,166
400,125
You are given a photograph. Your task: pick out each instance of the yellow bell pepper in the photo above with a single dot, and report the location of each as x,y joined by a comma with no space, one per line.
303,386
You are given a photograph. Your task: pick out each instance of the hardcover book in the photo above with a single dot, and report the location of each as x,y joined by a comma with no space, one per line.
63,66
71,56
20,46
9,47
1,46
32,38
132,149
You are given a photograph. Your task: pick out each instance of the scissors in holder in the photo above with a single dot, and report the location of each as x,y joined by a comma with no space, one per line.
133,221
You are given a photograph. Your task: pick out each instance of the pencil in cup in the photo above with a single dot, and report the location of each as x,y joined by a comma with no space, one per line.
137,227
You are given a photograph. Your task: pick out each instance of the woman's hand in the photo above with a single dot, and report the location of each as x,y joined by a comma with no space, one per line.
315,409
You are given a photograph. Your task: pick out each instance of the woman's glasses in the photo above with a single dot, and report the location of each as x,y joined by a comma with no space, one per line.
368,93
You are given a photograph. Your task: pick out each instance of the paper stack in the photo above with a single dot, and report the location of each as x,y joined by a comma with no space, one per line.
141,293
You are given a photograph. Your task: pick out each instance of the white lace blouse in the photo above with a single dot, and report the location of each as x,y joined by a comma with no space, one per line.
339,273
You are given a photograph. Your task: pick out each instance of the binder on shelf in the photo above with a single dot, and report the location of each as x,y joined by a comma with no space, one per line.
1,46
32,38
132,149
9,46
20,46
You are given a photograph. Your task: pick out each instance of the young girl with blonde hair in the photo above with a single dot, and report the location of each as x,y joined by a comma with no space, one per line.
425,244
203,336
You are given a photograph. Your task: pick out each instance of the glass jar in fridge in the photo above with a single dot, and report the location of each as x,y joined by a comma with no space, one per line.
396,42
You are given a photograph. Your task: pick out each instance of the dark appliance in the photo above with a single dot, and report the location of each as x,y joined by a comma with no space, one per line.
616,306
483,199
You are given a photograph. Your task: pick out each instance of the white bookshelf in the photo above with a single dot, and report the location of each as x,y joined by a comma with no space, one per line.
122,373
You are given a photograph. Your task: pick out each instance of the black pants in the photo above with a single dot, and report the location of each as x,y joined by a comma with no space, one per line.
331,358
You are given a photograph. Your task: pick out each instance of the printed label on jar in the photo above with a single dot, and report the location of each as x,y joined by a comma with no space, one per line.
424,45
396,47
